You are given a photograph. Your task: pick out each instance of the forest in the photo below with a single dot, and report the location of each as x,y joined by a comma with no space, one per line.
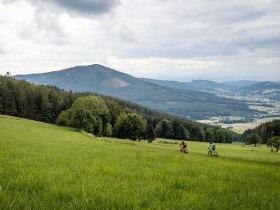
100,115
265,131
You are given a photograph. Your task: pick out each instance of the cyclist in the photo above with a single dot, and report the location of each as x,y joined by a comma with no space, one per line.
183,146
212,147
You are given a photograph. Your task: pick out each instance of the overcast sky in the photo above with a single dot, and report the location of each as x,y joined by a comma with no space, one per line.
171,40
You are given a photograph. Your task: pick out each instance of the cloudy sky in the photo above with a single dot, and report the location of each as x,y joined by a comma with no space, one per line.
172,40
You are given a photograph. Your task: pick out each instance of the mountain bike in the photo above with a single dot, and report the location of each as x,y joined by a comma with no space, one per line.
212,153
184,150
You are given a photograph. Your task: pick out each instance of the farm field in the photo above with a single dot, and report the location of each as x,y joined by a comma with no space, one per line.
238,127
44,166
241,127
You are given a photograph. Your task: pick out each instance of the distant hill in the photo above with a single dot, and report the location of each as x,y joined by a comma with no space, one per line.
240,83
103,80
196,85
262,86
249,88
267,89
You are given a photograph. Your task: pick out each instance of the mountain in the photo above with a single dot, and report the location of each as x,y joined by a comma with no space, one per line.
197,85
266,89
94,78
103,80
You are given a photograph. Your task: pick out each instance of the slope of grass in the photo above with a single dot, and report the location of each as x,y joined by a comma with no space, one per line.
48,167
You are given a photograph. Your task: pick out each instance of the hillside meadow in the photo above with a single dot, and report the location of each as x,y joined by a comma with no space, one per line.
44,166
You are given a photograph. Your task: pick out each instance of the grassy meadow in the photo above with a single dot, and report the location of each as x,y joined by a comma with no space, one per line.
44,166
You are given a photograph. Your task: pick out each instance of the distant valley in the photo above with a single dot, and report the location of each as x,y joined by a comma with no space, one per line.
261,96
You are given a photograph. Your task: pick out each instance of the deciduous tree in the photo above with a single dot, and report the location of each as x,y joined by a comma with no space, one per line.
254,139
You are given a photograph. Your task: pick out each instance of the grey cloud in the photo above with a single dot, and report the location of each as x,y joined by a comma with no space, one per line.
255,43
9,1
90,7
187,29
239,32
124,33
49,23
2,50
127,37
77,7
4,46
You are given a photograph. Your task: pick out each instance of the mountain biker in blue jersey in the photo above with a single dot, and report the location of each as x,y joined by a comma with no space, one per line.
212,147
212,150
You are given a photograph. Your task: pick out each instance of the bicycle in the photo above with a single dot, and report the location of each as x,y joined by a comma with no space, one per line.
212,153
184,150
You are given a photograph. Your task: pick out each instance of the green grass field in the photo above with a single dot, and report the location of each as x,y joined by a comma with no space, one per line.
48,167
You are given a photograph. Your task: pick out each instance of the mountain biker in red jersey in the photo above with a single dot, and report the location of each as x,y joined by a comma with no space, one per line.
183,146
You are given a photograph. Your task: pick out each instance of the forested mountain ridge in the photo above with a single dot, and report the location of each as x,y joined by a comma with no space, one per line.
103,80
45,103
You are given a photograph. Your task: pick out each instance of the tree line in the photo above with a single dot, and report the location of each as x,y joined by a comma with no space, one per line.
22,99
266,133
100,115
